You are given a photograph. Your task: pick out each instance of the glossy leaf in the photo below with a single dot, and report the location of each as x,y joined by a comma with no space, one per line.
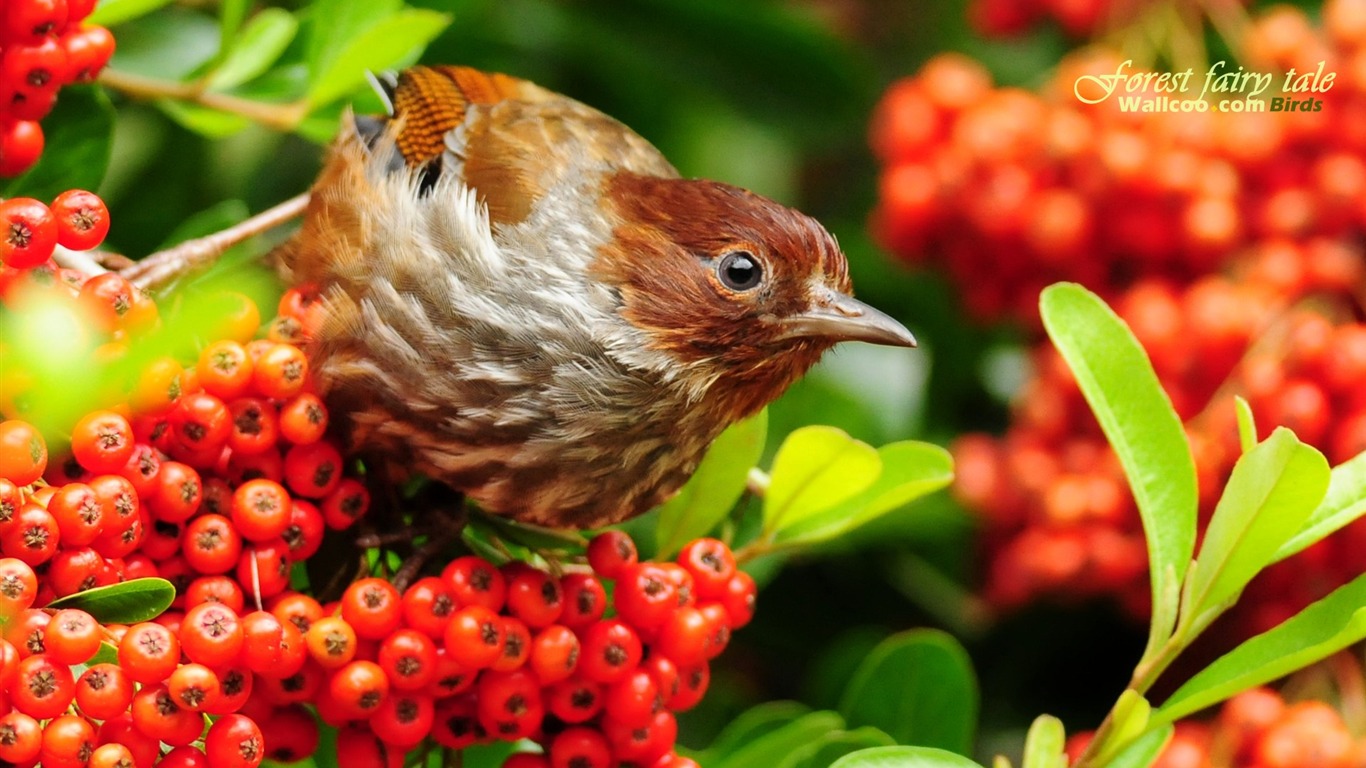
1273,489
903,757
778,744
822,753
205,121
1344,502
259,45
110,12
128,602
1322,629
754,723
1142,752
1118,381
712,491
910,470
394,41
918,687
1247,424
1131,716
815,469
334,24
1044,744
79,134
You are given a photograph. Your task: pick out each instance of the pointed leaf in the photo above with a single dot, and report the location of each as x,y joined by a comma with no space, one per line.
1143,751
776,745
258,46
712,491
815,469
1273,489
1344,502
111,12
1247,424
1131,716
918,687
1044,744
1118,381
821,754
910,470
128,602
1322,629
903,757
754,723
392,42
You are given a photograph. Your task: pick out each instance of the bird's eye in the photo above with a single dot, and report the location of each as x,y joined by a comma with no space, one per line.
739,271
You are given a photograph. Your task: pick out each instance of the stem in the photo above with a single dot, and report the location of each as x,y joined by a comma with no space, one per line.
757,482
80,261
1145,674
281,117
166,266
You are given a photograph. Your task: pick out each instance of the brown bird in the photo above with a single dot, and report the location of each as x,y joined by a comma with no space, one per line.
524,300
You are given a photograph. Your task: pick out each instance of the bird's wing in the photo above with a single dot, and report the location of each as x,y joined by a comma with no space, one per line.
508,139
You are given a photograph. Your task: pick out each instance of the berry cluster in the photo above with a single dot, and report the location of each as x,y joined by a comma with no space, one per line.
482,653
43,46
1059,519
1258,729
1032,188
1079,18
30,231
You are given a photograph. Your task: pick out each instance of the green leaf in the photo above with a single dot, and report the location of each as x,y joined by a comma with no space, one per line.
776,745
1322,629
815,469
1143,751
260,44
231,14
752,724
903,757
1344,502
111,12
918,687
1131,715
128,602
910,470
335,23
714,488
822,753
1117,378
1247,423
79,133
205,121
1273,489
1044,744
392,42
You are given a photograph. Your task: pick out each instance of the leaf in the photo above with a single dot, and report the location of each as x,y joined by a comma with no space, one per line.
714,488
1273,489
918,687
1044,744
1344,502
391,42
231,14
111,12
815,469
79,134
754,723
1137,417
1324,628
205,121
1131,715
1247,423
128,602
1143,751
258,46
910,470
335,23
776,745
903,757
821,754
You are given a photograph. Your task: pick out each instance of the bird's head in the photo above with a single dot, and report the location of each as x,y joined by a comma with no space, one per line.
736,288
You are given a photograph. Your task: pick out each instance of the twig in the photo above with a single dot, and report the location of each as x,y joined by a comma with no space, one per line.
81,261
166,266
283,117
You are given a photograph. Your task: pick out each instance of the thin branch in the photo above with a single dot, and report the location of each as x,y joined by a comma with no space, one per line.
282,117
166,266
81,261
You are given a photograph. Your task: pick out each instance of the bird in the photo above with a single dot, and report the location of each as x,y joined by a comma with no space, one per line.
521,298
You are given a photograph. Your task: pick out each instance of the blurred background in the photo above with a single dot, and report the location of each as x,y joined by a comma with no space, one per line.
958,186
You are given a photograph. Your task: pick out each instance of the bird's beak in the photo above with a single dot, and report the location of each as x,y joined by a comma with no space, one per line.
838,317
